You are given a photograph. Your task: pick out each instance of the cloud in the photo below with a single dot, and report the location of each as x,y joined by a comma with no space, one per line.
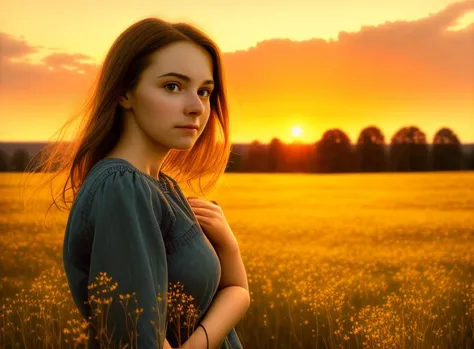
390,55
427,41
59,60
56,75
14,48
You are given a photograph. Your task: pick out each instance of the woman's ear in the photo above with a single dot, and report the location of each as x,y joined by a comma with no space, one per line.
125,101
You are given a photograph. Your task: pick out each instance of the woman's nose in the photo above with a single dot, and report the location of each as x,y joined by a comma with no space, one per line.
195,106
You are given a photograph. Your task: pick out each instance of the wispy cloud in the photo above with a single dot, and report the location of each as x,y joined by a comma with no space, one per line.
14,48
70,61
30,71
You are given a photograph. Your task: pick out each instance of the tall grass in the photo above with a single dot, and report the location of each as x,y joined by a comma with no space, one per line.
333,261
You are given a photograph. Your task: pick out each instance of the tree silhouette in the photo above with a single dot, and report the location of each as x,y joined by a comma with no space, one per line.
19,160
408,150
255,158
4,160
470,160
446,153
275,156
370,150
334,152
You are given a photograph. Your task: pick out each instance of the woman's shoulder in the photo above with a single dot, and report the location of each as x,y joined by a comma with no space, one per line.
115,182
111,175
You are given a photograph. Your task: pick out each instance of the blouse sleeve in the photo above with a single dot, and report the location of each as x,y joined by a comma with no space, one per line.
128,246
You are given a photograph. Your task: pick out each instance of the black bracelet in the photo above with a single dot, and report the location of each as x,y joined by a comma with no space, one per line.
207,338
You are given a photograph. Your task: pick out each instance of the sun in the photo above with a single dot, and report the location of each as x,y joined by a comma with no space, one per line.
296,131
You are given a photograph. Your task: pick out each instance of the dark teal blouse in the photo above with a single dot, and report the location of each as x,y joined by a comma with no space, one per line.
142,233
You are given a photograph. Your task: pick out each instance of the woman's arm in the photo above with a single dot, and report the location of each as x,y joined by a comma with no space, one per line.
229,305
126,246
232,267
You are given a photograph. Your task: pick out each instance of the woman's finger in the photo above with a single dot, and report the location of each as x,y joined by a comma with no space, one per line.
203,203
204,220
203,212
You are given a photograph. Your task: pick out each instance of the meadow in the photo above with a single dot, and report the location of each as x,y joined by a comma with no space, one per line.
333,261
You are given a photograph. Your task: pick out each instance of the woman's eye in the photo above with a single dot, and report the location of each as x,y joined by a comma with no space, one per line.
208,92
171,84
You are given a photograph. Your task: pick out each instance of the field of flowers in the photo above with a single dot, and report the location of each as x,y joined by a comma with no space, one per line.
333,261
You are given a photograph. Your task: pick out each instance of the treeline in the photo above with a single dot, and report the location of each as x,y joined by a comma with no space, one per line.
408,150
334,153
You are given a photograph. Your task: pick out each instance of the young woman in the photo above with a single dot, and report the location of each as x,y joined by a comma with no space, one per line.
159,104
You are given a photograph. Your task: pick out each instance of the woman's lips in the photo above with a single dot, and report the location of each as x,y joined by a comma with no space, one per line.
191,127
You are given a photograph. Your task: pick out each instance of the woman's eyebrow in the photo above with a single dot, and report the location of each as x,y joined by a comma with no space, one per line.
185,78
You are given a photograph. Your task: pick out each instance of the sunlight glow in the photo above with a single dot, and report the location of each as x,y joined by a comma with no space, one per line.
296,131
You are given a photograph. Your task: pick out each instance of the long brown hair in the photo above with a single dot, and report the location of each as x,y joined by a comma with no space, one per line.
100,125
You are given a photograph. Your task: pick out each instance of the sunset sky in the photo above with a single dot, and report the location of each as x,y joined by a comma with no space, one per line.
316,65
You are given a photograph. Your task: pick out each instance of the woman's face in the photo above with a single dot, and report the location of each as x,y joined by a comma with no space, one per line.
162,102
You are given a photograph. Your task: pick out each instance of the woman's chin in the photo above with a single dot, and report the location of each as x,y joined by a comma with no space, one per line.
183,144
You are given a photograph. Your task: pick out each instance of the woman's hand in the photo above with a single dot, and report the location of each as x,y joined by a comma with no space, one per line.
213,222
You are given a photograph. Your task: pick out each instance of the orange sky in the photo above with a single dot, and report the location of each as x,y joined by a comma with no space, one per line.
319,66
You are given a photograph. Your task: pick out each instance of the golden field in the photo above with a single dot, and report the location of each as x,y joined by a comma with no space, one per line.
333,261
